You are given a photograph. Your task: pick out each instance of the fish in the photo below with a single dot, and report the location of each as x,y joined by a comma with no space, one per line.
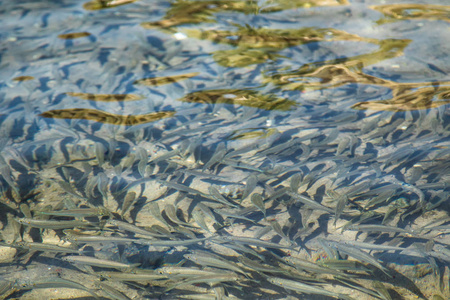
343,264
68,188
233,214
25,209
259,267
199,218
295,181
54,224
171,212
251,241
6,287
156,213
277,228
207,211
102,185
79,238
100,151
78,212
362,256
105,117
135,276
371,246
356,286
210,279
128,201
408,187
176,270
112,292
217,157
258,201
97,262
55,282
377,228
171,243
213,261
310,266
381,290
133,228
215,195
181,187
341,200
304,288
33,246
250,185
309,202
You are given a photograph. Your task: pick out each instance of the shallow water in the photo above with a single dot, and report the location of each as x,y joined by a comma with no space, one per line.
240,135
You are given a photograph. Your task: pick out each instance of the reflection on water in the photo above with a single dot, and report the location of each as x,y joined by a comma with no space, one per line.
105,97
224,150
395,12
75,35
104,117
239,97
102,4
155,81
23,78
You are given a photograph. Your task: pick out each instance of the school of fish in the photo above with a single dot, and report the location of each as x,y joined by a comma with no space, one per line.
220,162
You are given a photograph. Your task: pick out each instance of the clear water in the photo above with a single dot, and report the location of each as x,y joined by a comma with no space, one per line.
332,114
